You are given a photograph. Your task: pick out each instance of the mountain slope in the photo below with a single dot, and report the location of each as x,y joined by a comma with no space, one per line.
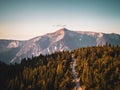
8,49
63,39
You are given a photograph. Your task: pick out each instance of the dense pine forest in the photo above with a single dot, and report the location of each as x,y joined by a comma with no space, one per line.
97,68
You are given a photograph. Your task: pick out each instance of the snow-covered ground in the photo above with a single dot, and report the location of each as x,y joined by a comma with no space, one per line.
75,76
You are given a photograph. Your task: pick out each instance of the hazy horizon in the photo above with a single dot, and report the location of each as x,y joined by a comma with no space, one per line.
25,19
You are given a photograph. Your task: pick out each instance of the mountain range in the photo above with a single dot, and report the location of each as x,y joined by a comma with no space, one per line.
13,51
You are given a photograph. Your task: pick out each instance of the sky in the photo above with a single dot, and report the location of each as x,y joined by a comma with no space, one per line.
25,19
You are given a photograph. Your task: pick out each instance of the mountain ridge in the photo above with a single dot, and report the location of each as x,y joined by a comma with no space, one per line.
62,39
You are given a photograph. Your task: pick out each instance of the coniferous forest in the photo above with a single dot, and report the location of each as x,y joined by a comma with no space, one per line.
97,68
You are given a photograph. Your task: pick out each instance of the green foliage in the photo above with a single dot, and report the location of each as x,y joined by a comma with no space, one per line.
98,68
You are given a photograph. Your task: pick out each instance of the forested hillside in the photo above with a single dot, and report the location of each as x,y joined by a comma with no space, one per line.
97,68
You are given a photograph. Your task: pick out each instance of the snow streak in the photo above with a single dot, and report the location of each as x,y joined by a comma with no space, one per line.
75,76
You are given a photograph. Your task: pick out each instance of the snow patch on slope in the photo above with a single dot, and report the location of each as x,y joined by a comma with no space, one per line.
13,44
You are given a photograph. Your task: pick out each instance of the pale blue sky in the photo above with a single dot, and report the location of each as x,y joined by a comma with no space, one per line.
25,19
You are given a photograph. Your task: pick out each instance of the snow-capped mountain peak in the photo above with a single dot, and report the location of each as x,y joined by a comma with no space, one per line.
62,39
